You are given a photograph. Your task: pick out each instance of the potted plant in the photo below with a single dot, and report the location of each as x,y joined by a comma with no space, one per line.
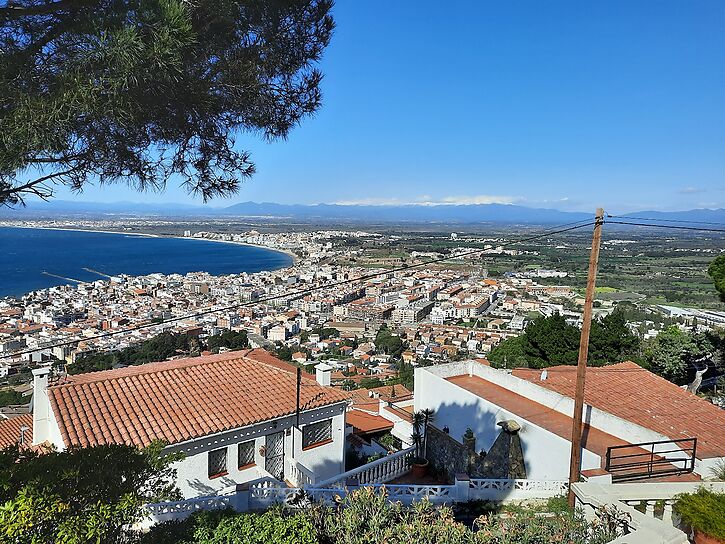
421,420
702,512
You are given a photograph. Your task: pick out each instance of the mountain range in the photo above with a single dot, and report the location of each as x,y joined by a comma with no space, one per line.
444,213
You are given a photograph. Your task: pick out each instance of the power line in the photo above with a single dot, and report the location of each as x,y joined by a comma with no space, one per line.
688,221
676,227
567,227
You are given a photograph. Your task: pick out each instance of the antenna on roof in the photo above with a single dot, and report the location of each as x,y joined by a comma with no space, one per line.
24,429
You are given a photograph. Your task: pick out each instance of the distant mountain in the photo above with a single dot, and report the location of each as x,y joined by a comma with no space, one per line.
410,213
472,213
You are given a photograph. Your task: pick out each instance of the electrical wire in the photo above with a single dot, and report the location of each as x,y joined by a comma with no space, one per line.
566,227
675,227
688,221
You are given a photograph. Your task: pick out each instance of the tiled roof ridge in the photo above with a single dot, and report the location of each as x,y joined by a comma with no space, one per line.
154,367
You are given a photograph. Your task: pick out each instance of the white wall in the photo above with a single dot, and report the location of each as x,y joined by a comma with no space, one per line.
546,454
599,419
324,461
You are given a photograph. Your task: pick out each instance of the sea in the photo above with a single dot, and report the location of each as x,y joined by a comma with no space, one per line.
32,259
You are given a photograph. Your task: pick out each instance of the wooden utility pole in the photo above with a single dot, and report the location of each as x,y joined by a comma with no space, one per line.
581,369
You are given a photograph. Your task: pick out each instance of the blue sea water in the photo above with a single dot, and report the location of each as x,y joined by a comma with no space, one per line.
26,253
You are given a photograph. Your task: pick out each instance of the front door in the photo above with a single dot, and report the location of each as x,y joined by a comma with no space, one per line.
274,455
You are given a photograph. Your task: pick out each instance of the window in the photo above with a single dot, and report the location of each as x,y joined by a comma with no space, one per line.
316,433
217,463
245,452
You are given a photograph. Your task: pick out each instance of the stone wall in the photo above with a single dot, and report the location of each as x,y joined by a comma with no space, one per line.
449,457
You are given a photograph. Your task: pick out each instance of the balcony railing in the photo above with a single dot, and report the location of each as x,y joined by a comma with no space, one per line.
651,459
378,472
649,505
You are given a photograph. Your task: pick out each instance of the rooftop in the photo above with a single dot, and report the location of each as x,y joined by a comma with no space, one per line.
10,430
180,400
628,391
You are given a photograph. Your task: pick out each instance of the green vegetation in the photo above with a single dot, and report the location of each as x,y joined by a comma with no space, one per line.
81,495
228,339
326,332
149,92
716,271
10,396
671,352
158,348
703,511
389,343
550,341
366,516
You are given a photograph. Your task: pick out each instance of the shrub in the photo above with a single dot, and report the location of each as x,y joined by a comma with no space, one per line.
226,527
703,511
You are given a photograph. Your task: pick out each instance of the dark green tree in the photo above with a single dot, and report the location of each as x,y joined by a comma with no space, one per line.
611,341
550,341
228,339
672,352
509,354
81,495
716,271
144,91
389,343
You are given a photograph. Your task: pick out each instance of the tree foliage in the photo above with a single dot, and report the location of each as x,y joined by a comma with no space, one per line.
81,495
144,91
716,271
367,516
672,352
158,348
228,339
550,341
389,343
10,396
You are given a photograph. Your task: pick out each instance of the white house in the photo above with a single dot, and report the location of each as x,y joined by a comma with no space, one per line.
626,406
233,415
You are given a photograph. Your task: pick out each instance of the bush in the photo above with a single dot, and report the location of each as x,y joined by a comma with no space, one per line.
225,527
368,516
703,511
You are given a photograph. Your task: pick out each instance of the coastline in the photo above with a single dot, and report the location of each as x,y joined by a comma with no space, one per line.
295,258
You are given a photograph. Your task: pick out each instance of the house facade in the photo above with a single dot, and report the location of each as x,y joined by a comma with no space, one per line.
234,416
625,406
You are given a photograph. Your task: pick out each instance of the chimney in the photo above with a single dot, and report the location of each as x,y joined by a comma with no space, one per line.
323,373
41,406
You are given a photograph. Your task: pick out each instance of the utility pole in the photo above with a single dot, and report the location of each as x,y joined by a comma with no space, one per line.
581,369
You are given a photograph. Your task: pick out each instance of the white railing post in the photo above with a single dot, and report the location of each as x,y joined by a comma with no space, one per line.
462,484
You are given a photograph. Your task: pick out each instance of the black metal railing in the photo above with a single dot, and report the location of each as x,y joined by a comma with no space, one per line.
651,459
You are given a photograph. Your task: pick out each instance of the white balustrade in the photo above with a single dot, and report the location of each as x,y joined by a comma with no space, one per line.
499,490
648,524
378,472
298,475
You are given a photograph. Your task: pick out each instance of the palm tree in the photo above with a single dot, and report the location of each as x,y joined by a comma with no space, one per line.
421,420
428,415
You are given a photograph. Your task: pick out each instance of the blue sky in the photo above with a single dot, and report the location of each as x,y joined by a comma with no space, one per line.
563,104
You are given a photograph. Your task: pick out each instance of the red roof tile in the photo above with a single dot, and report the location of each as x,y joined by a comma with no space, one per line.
179,400
10,430
628,391
367,423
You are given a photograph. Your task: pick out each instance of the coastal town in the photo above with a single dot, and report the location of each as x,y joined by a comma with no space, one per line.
315,310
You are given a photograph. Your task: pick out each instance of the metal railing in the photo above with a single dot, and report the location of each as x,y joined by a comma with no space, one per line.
664,457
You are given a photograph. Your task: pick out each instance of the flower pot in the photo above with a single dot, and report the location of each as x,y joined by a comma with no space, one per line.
418,470
703,538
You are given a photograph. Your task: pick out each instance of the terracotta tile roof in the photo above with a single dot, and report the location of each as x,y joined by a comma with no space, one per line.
390,393
179,400
628,391
367,423
547,418
10,430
